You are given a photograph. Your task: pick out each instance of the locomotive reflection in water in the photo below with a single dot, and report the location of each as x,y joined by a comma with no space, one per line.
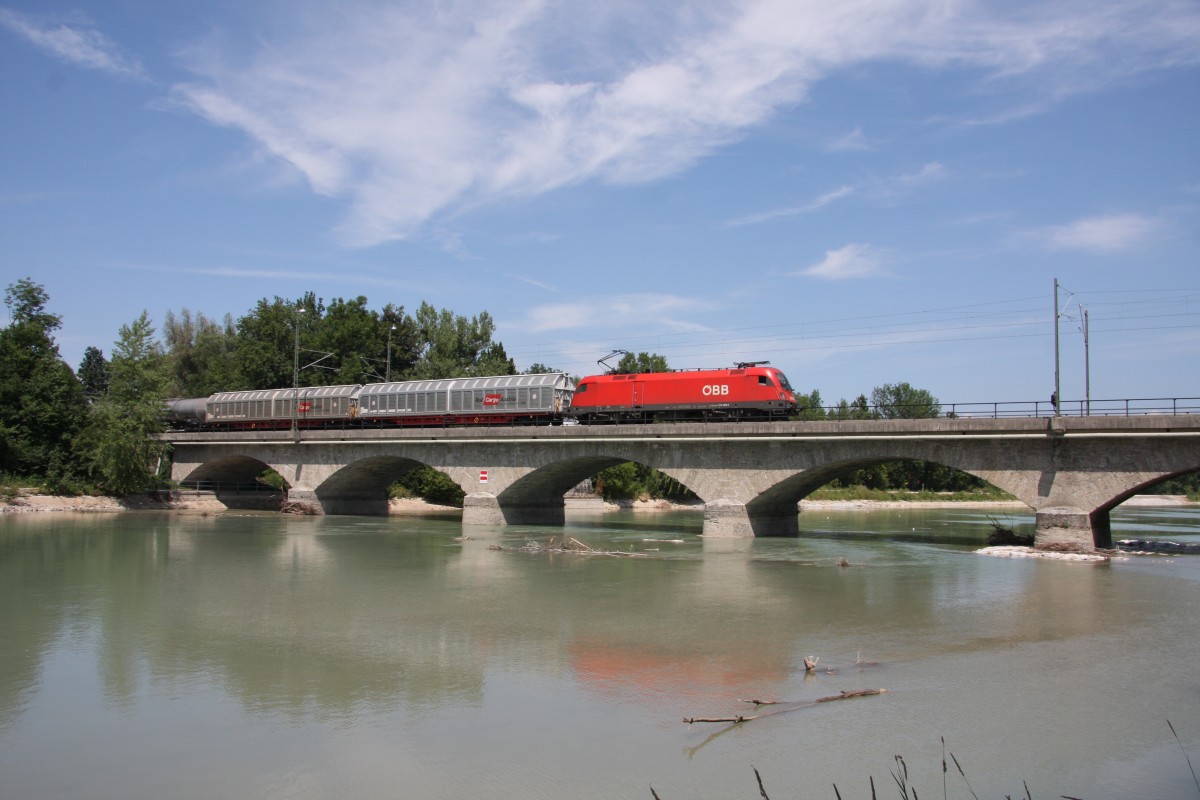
743,392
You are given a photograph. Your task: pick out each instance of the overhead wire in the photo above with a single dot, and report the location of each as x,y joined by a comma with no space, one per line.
902,326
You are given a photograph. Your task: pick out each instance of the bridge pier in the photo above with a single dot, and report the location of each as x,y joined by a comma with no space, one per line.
1073,528
307,501
728,519
483,508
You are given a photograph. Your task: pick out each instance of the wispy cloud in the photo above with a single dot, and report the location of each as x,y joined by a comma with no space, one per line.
794,211
853,141
278,275
885,189
933,171
418,113
851,261
532,282
649,310
1112,233
76,42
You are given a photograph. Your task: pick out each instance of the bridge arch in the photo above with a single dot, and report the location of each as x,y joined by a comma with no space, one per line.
361,487
231,469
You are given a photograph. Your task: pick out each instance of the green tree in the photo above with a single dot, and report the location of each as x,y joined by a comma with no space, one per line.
809,406
642,362
41,401
620,482
401,330
201,354
455,346
123,456
430,485
859,409
538,368
632,481
93,374
266,342
902,401
351,331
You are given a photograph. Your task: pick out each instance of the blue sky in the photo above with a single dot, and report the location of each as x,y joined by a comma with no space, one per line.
862,192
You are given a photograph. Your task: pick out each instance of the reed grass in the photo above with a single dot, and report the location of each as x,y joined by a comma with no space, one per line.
907,791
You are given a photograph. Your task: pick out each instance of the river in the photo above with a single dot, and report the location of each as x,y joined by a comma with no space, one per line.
243,655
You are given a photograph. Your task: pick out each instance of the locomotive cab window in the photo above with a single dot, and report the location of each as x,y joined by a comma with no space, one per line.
764,380
783,381
581,388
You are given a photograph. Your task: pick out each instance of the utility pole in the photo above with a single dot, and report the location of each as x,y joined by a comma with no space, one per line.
1057,398
1087,368
296,378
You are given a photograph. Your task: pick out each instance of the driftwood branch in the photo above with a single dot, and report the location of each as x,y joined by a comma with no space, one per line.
847,695
573,545
738,718
844,695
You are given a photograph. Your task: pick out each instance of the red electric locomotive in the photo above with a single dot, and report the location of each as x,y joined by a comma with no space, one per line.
747,391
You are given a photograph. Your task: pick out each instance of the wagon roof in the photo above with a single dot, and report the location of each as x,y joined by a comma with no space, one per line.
554,380
303,393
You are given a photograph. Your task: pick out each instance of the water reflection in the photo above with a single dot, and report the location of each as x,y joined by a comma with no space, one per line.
403,623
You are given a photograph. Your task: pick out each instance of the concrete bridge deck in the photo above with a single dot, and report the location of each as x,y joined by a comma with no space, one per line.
1070,470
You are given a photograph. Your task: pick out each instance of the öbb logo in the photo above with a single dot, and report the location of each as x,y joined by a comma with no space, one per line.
715,390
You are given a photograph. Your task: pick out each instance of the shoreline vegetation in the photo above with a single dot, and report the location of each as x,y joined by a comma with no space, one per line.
32,500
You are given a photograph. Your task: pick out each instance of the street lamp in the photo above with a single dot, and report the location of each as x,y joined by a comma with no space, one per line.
388,377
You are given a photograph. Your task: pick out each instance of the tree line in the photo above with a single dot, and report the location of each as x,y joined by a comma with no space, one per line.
91,429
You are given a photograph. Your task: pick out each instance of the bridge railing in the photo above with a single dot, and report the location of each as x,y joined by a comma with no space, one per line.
1171,406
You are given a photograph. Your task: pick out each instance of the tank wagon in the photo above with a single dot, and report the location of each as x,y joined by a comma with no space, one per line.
746,391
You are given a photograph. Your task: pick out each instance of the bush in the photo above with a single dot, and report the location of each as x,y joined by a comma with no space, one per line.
430,485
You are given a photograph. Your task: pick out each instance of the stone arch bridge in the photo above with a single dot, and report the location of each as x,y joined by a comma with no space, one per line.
1070,470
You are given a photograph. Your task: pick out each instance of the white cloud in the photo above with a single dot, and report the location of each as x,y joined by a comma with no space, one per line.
1110,233
648,310
794,211
76,43
851,261
422,111
559,317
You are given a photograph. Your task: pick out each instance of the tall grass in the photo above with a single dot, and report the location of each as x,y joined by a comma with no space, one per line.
907,791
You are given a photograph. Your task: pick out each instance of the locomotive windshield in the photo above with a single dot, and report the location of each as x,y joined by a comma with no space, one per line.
783,381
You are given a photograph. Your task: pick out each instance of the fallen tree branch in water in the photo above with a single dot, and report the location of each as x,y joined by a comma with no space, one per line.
844,695
847,695
573,545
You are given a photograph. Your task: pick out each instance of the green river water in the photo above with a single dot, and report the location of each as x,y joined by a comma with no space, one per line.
243,655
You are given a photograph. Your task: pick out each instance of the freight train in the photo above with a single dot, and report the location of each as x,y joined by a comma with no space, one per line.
747,391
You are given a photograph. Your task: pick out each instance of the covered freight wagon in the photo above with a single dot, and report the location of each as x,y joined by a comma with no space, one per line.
498,400
274,408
